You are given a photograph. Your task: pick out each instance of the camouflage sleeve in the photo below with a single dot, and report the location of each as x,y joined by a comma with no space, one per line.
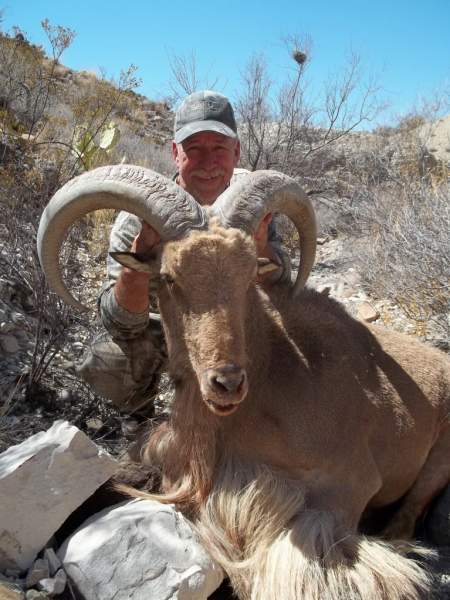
120,323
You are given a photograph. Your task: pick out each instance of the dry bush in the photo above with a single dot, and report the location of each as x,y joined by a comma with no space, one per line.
32,170
26,191
404,250
28,79
283,127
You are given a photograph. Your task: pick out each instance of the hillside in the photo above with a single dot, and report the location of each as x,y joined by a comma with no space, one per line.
382,199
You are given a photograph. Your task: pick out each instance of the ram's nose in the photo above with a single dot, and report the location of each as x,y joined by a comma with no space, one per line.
224,388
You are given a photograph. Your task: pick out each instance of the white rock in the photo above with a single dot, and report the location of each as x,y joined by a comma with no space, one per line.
18,318
139,549
367,313
322,240
53,586
42,481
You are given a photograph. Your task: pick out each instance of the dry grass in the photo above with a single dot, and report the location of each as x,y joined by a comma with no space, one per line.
404,250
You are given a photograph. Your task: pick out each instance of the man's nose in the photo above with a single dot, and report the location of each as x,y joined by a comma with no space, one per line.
208,159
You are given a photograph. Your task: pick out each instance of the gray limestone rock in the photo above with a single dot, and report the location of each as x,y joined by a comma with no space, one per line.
42,481
139,549
53,586
39,570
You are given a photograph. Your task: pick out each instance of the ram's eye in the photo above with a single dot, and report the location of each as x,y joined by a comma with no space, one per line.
165,278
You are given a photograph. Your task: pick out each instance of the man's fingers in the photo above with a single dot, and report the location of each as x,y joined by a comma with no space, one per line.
149,235
262,232
146,239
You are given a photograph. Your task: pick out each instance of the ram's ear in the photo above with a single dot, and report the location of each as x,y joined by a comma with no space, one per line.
144,263
266,266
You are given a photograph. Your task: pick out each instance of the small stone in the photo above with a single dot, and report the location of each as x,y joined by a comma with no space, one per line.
129,428
11,591
53,561
65,396
348,293
12,573
6,327
322,240
54,585
18,318
36,595
94,424
9,344
67,365
367,313
39,570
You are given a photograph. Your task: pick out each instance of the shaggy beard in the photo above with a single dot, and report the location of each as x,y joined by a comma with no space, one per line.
255,522
185,449
256,526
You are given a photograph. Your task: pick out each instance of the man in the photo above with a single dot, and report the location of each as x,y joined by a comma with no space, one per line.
206,151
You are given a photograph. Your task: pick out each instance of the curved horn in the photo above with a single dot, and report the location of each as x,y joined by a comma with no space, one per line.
171,211
244,205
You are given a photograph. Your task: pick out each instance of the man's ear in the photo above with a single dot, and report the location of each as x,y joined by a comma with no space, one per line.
237,153
144,263
175,152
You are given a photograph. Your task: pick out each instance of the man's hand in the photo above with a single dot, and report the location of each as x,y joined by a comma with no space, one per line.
261,236
145,240
265,250
131,288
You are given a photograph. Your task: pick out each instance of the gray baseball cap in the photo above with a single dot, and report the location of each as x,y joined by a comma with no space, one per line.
204,111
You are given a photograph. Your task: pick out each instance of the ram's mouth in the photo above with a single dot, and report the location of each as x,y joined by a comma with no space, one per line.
223,410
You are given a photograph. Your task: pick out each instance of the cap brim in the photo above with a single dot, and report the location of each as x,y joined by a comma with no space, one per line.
199,126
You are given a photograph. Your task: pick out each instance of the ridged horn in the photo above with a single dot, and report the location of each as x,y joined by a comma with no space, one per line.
160,202
245,204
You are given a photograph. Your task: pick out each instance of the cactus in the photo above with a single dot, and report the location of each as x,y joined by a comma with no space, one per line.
91,153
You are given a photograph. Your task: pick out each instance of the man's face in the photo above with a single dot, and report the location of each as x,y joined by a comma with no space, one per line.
205,162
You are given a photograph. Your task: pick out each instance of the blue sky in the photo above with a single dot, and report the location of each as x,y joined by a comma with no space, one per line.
405,43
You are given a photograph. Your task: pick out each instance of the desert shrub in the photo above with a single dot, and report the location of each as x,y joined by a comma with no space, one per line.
24,195
404,250
33,169
28,79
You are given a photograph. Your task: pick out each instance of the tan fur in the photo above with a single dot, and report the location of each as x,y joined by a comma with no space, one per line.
272,546
338,419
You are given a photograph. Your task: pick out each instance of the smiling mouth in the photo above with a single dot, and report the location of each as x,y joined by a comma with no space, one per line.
222,409
208,177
